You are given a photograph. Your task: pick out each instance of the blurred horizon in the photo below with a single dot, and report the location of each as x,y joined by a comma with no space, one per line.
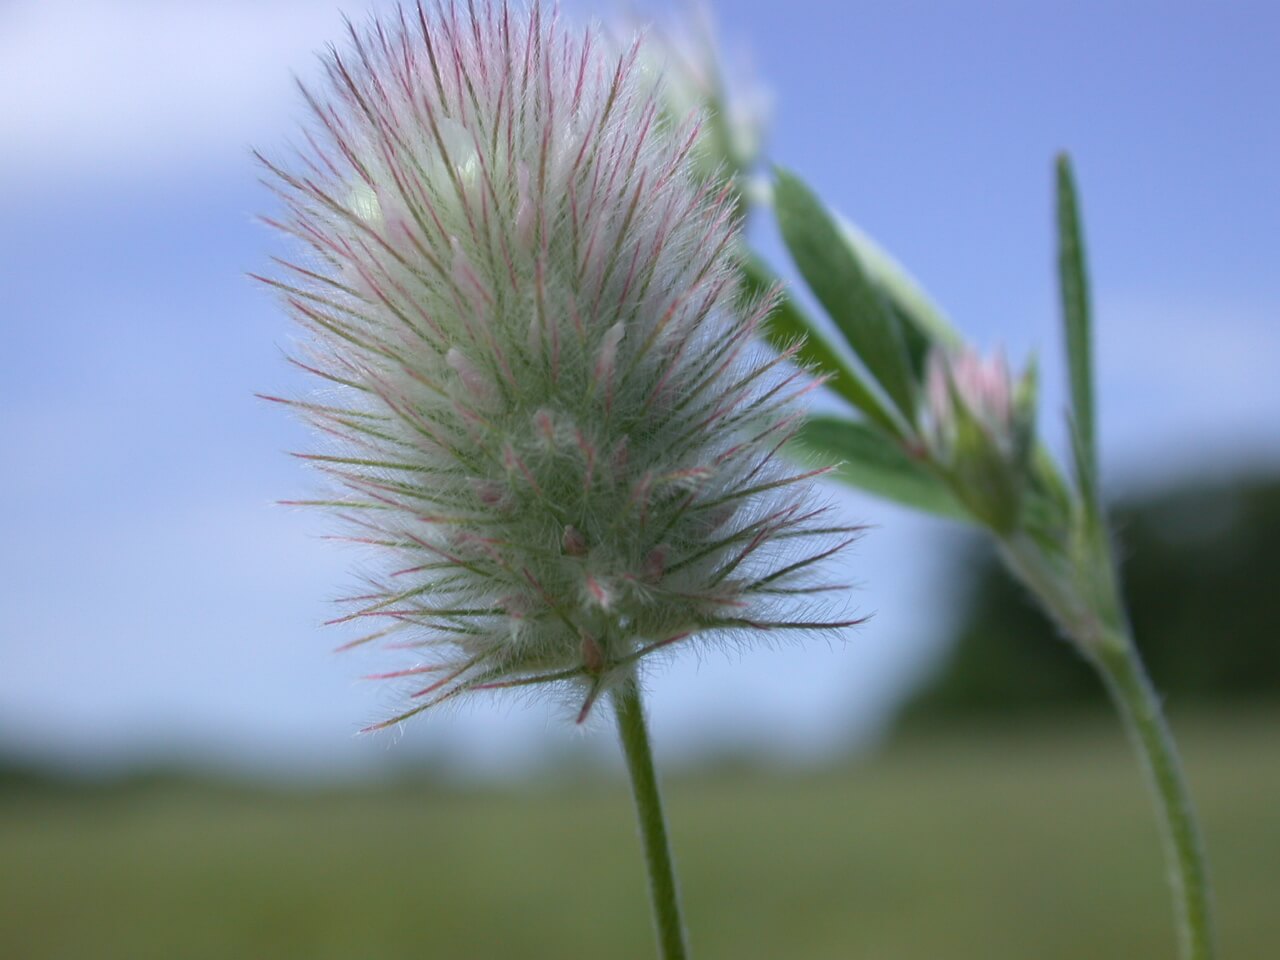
157,604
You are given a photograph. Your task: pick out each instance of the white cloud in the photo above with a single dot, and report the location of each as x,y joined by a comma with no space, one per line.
105,89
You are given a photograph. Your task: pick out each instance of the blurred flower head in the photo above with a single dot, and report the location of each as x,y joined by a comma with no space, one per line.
979,426
683,60
544,410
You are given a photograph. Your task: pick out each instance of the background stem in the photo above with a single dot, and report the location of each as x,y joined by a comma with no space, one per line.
634,735
1095,621
1139,705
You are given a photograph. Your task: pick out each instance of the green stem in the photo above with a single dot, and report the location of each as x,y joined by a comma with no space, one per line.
653,828
1139,705
1101,631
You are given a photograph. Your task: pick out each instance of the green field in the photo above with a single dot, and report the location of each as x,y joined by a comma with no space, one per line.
981,845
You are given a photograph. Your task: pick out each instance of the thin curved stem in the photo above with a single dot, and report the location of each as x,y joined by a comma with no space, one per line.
634,735
1094,619
1139,705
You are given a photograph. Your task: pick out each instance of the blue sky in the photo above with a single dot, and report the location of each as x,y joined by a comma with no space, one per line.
154,599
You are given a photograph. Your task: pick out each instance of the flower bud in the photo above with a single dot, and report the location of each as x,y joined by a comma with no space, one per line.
980,429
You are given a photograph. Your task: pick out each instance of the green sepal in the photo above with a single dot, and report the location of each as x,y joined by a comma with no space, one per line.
982,477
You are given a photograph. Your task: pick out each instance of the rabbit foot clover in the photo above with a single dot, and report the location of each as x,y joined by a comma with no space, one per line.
543,405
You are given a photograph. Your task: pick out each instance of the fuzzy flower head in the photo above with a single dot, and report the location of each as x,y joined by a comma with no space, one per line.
544,409
980,427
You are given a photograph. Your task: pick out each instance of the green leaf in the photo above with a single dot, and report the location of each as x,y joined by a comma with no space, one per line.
834,274
877,463
1077,322
924,325
789,323
917,345
902,291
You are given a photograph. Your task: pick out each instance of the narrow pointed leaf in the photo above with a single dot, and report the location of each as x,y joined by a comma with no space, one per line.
788,323
1077,321
837,278
916,343
903,292
877,463
924,325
